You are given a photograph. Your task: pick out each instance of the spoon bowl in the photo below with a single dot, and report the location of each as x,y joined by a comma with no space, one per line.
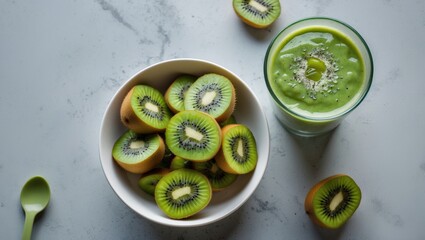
35,196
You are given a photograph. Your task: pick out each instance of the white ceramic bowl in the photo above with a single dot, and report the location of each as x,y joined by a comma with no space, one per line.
248,111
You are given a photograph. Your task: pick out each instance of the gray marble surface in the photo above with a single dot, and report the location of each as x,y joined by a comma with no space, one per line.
61,62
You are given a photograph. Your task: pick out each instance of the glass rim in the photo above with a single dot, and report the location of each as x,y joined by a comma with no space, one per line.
326,118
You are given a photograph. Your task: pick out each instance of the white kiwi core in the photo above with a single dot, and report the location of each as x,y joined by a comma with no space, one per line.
192,133
137,144
208,98
152,107
239,150
180,192
257,6
339,197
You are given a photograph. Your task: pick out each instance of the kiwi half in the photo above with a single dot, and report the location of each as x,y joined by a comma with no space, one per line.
219,179
149,180
138,153
332,201
183,193
193,135
213,94
178,162
144,110
257,13
238,153
174,96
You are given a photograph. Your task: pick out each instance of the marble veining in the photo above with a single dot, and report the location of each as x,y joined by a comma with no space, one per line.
62,62
319,5
264,206
387,215
116,15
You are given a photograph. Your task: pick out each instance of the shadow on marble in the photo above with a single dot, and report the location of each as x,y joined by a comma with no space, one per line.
260,35
222,229
311,151
330,234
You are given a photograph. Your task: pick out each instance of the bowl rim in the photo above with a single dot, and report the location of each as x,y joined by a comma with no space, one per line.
342,113
185,223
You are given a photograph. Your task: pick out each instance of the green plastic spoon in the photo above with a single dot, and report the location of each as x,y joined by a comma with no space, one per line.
35,196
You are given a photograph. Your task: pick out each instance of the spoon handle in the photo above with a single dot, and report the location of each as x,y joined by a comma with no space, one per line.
29,221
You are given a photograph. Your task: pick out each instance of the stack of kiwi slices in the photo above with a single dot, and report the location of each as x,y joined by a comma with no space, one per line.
332,201
185,143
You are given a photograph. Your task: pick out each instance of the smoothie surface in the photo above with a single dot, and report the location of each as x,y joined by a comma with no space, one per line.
317,71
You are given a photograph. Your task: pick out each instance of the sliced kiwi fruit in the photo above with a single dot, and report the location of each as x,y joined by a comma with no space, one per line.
138,153
149,180
332,201
230,120
193,135
183,193
238,153
257,13
219,179
174,96
213,94
178,162
144,110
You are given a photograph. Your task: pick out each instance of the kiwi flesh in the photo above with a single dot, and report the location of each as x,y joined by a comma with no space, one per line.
257,13
183,193
230,120
138,153
148,181
213,94
332,201
238,153
219,179
193,135
144,110
174,96
178,162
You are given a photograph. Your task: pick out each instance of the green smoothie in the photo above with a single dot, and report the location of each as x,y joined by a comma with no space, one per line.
316,72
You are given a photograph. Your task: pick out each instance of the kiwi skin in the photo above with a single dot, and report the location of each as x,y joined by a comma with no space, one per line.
130,119
156,171
220,158
147,164
169,92
229,111
252,23
308,204
185,155
170,176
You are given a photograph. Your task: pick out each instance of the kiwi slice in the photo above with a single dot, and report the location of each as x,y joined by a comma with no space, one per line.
149,180
257,13
174,96
230,120
219,179
193,135
183,193
213,94
332,201
144,110
138,153
178,162
238,153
